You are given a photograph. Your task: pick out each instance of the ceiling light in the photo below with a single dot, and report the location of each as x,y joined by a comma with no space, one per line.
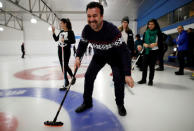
33,21
1,4
1,29
50,28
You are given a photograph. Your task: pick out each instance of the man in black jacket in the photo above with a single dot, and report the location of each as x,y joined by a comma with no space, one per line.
23,50
108,48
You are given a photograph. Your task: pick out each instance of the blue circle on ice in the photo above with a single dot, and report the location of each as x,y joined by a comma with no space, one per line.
98,118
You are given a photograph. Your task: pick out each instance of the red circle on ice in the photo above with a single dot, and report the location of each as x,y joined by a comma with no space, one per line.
8,122
44,73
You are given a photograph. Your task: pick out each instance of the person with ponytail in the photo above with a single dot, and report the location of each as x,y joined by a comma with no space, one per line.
65,38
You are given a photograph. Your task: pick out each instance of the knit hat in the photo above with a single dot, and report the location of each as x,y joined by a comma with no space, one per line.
126,18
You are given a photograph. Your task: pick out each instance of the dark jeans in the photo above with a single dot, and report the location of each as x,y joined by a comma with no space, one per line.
96,64
149,60
181,59
67,54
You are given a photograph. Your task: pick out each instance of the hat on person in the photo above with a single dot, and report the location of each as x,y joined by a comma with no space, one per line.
126,18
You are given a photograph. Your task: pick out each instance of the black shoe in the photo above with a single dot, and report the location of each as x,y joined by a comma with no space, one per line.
121,110
64,87
83,107
150,83
159,69
73,81
141,82
179,73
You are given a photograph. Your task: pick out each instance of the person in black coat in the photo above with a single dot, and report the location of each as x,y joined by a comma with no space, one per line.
190,47
23,50
65,38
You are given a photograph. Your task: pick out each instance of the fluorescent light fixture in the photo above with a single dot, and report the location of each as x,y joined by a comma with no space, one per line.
50,28
33,21
1,4
1,29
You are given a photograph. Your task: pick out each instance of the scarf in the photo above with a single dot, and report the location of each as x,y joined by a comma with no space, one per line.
150,37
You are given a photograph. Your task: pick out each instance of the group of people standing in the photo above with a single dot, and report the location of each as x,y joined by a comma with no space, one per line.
113,46
150,49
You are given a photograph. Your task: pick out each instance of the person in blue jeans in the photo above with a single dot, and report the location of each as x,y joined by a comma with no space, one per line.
182,45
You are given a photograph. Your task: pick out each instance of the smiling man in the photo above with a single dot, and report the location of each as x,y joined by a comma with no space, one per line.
110,48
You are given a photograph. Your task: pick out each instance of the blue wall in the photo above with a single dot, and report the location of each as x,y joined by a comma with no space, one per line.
156,8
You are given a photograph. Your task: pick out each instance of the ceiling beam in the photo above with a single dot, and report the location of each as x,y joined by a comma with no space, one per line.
48,12
11,20
53,19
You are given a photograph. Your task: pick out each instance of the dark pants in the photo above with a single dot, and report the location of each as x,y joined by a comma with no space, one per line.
67,54
190,57
149,60
181,59
161,59
23,53
96,64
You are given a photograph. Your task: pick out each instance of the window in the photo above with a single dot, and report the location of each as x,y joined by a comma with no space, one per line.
165,20
184,12
191,9
180,14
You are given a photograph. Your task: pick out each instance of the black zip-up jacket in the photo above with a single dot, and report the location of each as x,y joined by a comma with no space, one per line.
106,43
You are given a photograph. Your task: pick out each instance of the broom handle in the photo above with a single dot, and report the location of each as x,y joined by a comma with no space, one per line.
55,119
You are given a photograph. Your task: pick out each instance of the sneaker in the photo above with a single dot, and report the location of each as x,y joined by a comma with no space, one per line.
159,69
73,80
121,110
141,82
179,73
83,108
150,83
